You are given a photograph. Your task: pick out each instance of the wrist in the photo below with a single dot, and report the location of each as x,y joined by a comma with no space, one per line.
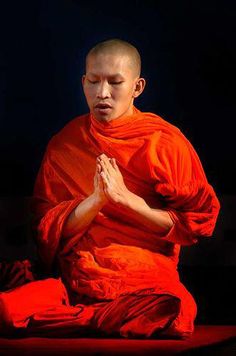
134,202
98,202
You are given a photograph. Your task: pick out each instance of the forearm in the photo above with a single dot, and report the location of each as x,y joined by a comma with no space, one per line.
157,220
82,215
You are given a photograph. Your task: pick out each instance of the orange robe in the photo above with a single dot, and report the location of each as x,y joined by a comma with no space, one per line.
115,256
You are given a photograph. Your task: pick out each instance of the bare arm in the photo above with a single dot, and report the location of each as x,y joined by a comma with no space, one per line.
87,210
157,220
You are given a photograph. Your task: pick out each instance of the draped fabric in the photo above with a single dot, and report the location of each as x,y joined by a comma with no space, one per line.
115,256
15,273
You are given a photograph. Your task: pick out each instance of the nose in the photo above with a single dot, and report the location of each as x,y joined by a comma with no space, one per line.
103,91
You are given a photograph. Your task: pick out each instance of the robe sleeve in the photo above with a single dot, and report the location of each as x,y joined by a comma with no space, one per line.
183,186
51,204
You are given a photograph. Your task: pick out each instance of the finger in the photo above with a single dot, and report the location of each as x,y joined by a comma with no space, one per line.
103,156
104,178
108,164
104,168
95,178
114,164
99,168
99,159
100,181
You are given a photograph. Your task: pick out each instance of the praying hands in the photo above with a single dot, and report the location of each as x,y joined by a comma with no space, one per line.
109,175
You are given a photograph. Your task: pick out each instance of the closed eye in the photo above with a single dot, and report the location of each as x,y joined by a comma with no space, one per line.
116,83
92,81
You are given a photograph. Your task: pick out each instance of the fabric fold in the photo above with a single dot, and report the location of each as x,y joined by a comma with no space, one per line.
115,255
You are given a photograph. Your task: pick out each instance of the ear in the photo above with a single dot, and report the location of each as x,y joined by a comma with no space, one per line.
139,87
83,79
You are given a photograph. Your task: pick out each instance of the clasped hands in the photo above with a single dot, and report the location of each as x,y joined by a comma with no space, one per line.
109,184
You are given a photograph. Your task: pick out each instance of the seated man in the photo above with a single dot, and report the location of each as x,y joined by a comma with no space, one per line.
118,192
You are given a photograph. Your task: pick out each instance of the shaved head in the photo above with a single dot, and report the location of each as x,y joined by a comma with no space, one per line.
112,79
120,48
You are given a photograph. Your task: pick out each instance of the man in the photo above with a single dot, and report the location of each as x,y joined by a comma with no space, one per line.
119,191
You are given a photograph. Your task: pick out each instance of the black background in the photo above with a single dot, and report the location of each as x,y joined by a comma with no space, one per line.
188,52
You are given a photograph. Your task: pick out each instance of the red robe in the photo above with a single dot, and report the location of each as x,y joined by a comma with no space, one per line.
116,256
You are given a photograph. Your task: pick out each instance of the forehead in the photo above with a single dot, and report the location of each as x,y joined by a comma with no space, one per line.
109,64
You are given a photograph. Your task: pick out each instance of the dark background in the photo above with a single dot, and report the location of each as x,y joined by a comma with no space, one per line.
189,54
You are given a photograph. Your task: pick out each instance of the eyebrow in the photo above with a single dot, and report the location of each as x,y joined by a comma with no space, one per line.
113,76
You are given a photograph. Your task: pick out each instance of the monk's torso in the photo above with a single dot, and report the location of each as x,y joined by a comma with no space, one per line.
114,254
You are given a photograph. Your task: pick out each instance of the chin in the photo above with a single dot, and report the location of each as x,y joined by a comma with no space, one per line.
103,118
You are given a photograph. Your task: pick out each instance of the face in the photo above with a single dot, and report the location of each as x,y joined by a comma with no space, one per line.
110,86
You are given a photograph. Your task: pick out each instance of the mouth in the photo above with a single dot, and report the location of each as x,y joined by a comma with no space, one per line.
103,106
103,109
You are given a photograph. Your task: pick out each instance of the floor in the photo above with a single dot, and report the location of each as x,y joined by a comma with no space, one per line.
207,340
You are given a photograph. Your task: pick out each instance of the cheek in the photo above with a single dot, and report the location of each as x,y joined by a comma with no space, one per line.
124,94
89,92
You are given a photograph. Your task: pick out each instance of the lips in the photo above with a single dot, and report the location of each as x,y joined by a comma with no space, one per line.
103,106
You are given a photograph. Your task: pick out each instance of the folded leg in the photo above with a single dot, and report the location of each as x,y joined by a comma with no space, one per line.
18,305
138,316
42,308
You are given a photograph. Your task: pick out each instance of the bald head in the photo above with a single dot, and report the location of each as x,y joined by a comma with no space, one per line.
120,48
112,79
